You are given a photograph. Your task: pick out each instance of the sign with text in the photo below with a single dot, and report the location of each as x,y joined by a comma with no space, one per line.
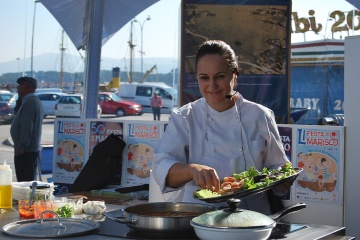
99,131
141,139
70,150
319,151
259,33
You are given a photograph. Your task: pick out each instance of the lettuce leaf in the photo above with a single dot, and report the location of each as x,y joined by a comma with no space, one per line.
205,193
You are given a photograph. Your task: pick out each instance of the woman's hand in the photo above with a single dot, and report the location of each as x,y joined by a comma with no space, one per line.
205,177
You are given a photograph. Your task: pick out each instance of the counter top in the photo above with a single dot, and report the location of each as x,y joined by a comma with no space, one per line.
112,230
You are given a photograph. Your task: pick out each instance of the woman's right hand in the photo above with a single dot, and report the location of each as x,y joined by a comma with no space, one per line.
205,177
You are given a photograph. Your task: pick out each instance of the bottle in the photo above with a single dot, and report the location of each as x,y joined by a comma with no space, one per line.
5,186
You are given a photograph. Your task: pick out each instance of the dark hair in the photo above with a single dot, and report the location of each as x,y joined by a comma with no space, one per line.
213,47
323,160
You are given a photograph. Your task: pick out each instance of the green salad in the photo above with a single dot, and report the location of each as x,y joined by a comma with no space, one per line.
249,180
65,211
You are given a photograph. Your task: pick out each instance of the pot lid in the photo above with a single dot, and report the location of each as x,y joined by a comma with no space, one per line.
50,227
233,217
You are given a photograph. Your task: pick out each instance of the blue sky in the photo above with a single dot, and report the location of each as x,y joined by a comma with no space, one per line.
160,33
16,20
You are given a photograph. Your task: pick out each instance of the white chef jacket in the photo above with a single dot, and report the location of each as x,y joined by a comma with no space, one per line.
231,141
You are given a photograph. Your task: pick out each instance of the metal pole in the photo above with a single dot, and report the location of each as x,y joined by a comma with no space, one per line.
32,42
142,51
142,65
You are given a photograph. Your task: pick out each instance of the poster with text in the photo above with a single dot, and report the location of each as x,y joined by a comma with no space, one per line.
141,139
286,139
70,150
257,31
320,152
98,132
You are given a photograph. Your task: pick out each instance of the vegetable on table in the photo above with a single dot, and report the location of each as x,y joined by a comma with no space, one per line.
249,180
65,211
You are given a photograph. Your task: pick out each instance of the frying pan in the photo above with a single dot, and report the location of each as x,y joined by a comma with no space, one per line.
161,217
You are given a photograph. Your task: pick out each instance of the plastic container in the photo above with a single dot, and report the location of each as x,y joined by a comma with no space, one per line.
63,207
41,206
26,210
5,186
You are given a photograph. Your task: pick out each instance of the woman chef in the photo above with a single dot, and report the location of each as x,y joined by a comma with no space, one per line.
218,134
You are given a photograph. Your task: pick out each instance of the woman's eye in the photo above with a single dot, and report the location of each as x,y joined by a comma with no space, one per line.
203,78
220,77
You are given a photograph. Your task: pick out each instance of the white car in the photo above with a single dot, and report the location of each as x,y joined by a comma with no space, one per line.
48,101
70,105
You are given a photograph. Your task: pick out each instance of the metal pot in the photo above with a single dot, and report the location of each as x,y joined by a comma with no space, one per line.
234,223
161,217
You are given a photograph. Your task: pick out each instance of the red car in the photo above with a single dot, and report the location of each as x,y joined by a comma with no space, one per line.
111,103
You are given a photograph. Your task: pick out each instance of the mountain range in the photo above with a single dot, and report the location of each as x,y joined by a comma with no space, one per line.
73,63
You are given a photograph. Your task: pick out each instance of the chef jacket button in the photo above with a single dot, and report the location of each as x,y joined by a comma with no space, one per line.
213,149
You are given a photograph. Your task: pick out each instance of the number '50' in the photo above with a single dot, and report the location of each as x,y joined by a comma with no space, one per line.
100,129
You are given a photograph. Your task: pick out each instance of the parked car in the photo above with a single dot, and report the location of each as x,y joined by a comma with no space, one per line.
7,105
70,105
41,90
112,104
48,101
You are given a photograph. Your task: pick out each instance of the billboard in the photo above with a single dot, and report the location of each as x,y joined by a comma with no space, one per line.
259,33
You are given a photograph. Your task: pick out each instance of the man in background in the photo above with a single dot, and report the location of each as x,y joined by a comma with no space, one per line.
26,130
156,105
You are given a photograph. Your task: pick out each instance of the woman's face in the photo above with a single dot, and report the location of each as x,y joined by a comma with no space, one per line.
215,79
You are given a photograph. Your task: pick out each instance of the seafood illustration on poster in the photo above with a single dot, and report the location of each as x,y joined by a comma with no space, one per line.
319,151
71,150
142,139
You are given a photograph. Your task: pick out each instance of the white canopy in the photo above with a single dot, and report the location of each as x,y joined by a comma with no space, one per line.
74,16
89,24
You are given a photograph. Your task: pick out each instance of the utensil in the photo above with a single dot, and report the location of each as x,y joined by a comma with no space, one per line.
160,217
50,227
234,223
33,188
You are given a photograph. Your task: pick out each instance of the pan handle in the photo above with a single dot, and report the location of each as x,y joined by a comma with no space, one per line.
285,211
120,219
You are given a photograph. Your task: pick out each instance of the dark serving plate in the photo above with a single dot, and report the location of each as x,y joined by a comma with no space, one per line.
237,193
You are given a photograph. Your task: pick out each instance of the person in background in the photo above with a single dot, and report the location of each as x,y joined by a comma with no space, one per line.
26,130
156,105
217,135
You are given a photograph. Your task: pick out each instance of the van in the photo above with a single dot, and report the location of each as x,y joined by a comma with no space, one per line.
143,92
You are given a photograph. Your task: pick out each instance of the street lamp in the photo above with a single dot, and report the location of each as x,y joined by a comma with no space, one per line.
18,63
141,51
32,41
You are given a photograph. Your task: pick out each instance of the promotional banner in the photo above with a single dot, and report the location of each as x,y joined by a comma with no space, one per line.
69,150
259,33
141,139
320,152
286,139
99,131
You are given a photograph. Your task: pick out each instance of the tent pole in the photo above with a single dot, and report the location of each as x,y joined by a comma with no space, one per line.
93,56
